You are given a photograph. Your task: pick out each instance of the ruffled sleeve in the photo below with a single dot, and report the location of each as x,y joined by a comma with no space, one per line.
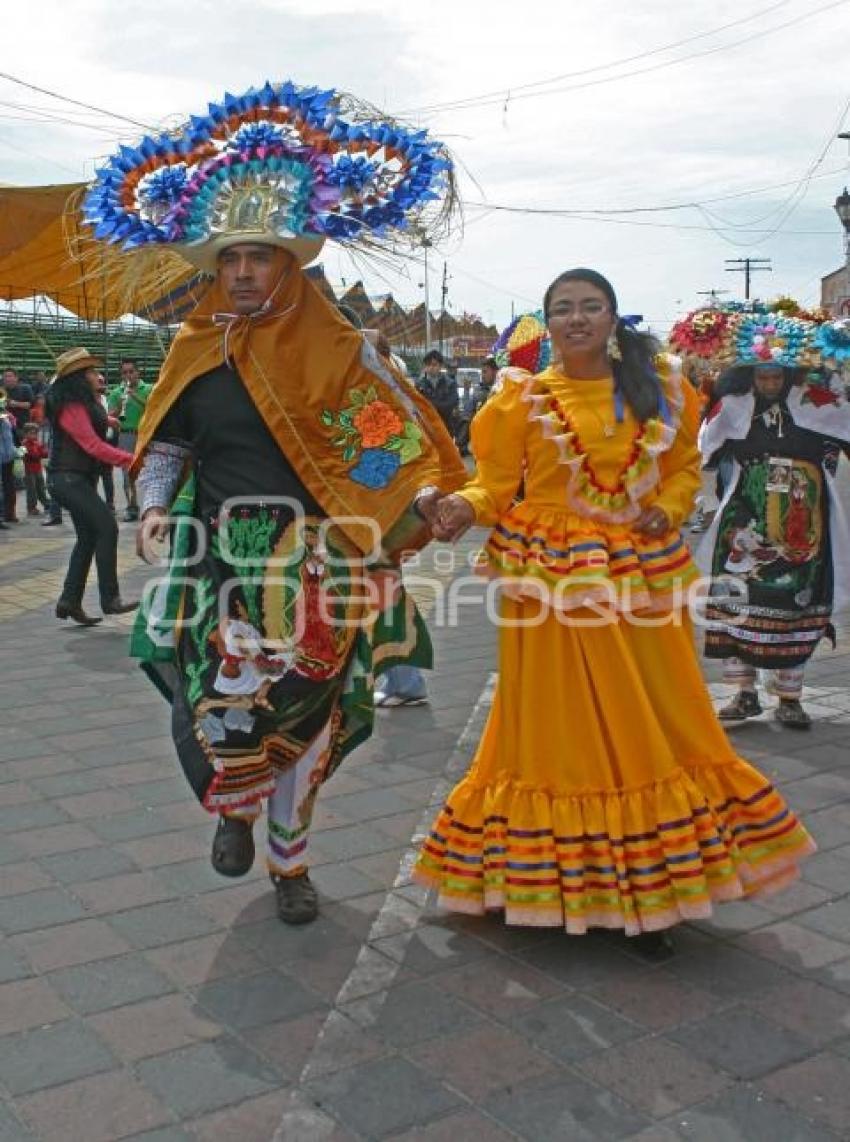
680,466
498,444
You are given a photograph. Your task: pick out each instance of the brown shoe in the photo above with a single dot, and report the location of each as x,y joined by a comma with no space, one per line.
297,899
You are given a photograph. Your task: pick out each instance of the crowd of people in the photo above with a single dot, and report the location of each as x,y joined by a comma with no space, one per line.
26,436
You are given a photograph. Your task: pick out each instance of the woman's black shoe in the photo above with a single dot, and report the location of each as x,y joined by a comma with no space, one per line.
65,611
654,946
233,846
118,607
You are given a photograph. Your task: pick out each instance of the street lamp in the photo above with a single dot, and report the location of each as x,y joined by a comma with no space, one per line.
842,209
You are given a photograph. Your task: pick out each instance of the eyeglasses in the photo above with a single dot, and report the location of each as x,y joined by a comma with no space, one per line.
585,308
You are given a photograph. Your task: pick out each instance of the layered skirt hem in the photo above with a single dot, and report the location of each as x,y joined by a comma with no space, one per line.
639,859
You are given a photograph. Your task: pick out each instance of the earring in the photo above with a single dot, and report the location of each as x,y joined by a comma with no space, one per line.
614,346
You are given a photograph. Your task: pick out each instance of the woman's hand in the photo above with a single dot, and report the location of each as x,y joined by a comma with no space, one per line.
652,522
454,516
153,529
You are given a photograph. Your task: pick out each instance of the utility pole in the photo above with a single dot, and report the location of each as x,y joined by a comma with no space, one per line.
426,246
444,292
712,295
748,267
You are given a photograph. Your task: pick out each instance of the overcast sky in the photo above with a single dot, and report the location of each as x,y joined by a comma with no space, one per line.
734,117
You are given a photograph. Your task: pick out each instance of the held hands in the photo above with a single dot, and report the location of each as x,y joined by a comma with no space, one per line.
652,522
152,530
452,517
448,517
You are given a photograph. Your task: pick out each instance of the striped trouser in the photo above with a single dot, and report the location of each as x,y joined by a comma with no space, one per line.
290,808
784,683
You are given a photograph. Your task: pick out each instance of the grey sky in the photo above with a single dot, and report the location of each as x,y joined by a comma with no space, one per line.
742,117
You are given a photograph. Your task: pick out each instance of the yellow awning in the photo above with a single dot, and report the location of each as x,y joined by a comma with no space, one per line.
38,224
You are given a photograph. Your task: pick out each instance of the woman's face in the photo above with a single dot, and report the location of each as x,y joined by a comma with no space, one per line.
768,381
94,377
580,320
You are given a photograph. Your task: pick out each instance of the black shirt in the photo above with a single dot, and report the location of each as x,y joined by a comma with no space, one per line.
234,453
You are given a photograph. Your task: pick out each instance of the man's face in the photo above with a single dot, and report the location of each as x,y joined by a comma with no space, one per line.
488,375
249,273
768,381
129,374
433,369
10,379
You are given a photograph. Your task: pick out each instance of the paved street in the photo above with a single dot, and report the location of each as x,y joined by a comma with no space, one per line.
142,996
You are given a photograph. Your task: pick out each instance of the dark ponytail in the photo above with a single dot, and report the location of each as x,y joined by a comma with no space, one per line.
635,374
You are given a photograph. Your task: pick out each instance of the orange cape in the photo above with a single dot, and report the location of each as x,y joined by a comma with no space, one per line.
304,366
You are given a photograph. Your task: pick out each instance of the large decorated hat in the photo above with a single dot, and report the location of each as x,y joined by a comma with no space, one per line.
832,340
524,344
282,164
702,333
751,333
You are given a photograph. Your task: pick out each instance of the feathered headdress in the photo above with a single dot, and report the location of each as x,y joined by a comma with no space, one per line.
282,164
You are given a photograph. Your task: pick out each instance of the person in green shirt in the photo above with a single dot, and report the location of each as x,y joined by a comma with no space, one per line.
127,402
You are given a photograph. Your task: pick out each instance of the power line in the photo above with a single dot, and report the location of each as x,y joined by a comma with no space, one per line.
663,209
502,93
508,94
75,102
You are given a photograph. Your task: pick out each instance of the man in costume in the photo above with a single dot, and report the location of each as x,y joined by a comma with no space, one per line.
778,548
292,466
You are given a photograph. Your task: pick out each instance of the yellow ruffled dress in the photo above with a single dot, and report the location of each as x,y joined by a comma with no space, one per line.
604,792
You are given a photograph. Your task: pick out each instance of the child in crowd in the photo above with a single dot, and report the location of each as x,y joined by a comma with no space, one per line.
35,454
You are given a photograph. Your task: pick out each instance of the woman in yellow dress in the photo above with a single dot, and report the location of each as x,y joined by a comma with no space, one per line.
604,792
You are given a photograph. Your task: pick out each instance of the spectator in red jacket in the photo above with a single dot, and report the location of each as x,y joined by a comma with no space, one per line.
35,454
78,452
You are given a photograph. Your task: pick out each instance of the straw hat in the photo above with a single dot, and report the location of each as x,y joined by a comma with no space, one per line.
72,360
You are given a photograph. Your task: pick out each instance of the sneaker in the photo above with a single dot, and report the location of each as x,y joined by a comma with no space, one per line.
744,705
131,515
389,701
53,521
233,846
297,899
790,713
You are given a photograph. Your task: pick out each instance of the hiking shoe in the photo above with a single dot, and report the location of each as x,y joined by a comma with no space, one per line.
233,846
791,714
744,705
297,899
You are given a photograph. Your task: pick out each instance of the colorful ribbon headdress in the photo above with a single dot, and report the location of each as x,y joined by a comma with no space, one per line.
525,343
286,165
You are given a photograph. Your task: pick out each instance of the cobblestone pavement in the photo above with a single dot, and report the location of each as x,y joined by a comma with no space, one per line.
143,997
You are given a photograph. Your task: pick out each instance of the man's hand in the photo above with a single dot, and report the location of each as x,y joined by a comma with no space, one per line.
454,516
652,522
425,505
152,530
